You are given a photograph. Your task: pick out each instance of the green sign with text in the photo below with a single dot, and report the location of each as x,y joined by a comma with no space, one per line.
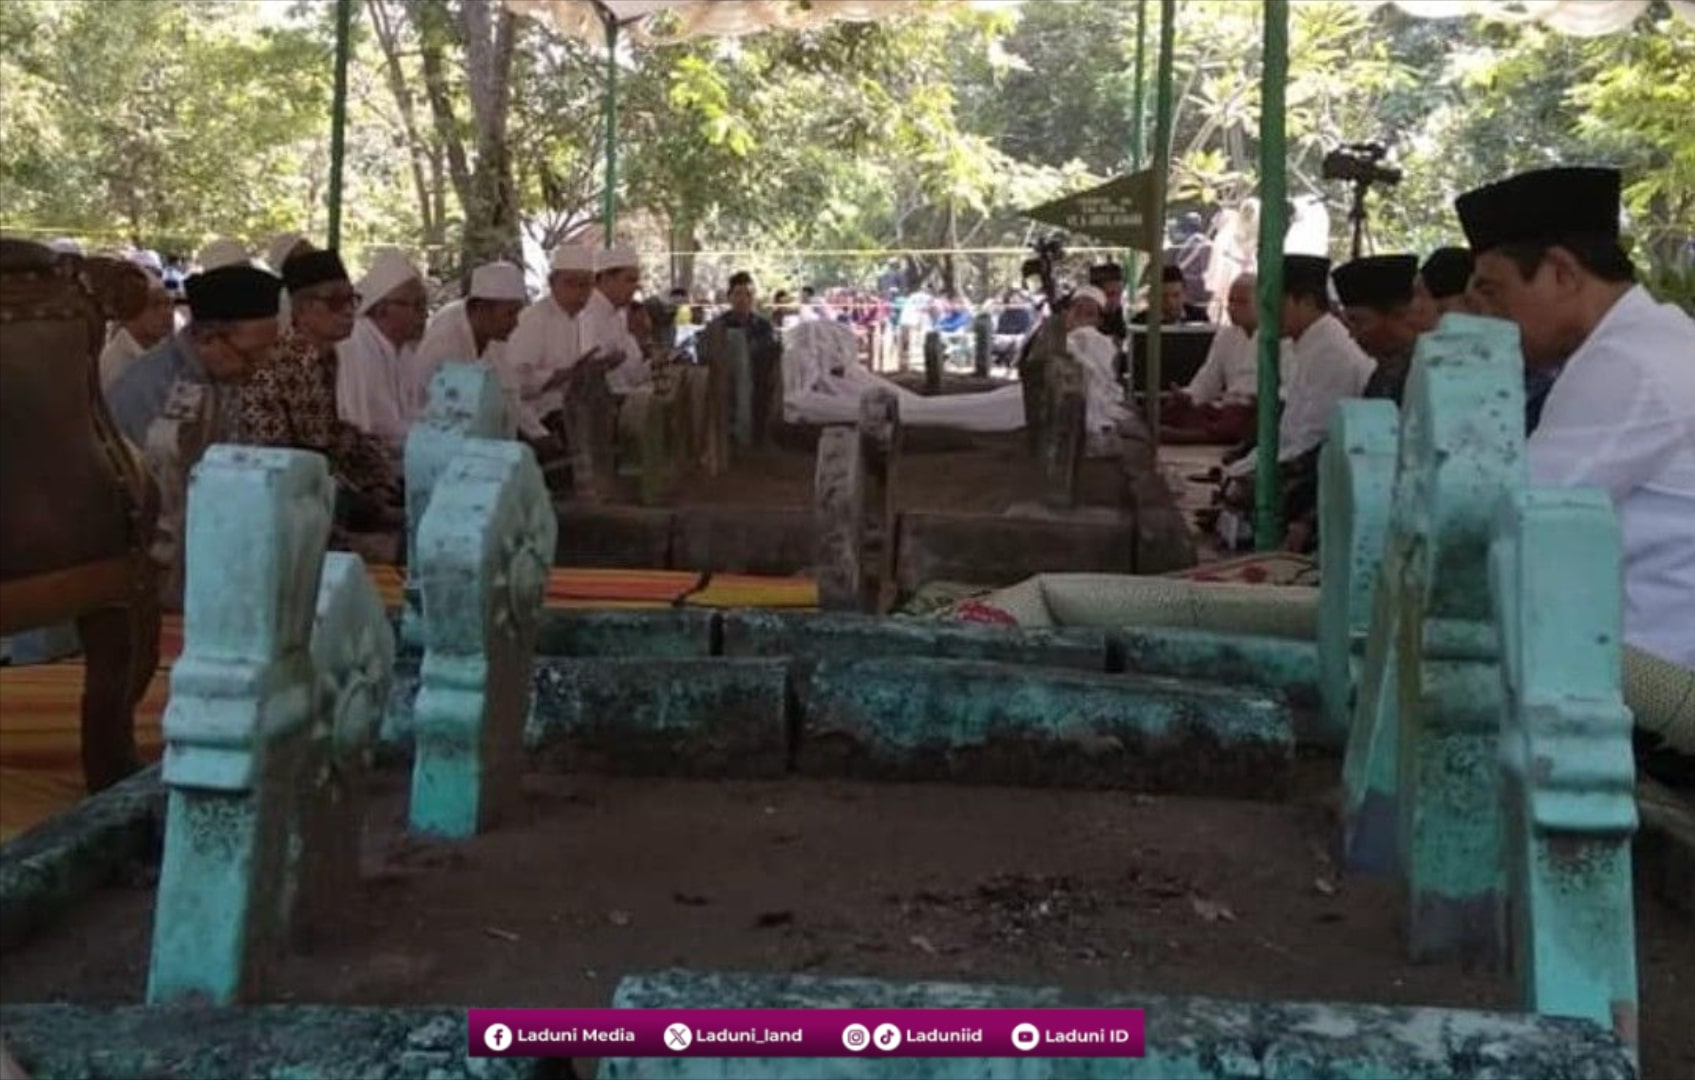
1119,212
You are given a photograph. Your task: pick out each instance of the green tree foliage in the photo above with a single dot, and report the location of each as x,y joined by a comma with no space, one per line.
170,121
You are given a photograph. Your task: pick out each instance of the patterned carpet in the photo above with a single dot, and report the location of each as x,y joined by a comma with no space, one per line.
40,773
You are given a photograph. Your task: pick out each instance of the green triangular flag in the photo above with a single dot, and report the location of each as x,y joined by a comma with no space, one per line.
1119,212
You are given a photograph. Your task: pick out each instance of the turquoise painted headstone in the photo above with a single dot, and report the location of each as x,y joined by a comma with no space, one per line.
484,549
353,661
466,401
239,722
1356,475
1570,776
1462,445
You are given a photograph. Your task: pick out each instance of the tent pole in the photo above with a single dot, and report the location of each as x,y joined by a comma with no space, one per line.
1162,171
338,116
609,212
1138,127
1273,226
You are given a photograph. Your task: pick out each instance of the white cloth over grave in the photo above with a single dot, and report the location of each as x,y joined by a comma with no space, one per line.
823,383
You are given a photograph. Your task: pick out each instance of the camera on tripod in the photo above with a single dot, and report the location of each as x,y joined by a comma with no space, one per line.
1050,250
1360,163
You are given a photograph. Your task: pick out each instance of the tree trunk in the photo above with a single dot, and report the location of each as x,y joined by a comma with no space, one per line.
420,154
491,215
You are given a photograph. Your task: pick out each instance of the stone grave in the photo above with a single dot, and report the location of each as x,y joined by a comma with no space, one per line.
273,716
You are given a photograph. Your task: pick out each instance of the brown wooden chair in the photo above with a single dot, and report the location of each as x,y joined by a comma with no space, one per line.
77,508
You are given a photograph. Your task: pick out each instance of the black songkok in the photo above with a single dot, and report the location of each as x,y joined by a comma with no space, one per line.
1541,207
233,294
1379,282
310,268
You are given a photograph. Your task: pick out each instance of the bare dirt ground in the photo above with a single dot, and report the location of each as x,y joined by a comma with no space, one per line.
601,877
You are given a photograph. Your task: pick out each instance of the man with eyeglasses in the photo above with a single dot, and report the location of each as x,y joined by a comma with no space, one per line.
233,333
292,399
374,389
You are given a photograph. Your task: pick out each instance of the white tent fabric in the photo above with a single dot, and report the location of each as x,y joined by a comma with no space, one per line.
581,19
823,383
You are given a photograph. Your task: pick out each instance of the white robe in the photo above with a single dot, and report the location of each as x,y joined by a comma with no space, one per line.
1622,418
1098,354
546,342
373,386
120,352
1324,368
448,339
604,328
1230,374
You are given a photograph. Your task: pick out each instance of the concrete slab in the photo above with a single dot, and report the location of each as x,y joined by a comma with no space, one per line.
626,536
980,722
299,1042
661,717
744,539
1188,1037
48,870
996,551
813,637
678,634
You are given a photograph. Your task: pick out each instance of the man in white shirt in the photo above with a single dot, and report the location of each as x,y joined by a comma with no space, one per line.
1621,417
606,331
1218,404
1325,367
1386,315
374,386
151,325
548,342
475,328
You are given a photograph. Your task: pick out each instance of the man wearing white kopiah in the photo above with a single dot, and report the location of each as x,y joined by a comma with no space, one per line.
1098,354
548,342
1621,415
475,328
605,329
374,390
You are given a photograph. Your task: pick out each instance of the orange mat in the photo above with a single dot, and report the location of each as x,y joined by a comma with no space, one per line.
40,771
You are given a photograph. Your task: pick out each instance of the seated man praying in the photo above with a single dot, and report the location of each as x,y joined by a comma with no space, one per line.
374,365
1386,315
474,328
292,399
1218,404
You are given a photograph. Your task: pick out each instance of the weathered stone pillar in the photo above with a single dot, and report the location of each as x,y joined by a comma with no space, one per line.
854,493
933,354
1569,772
238,727
483,555
466,401
353,660
982,343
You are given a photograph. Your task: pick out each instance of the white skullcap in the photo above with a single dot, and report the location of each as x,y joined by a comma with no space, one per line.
148,260
616,257
222,252
1089,292
572,257
66,246
276,253
389,270
498,281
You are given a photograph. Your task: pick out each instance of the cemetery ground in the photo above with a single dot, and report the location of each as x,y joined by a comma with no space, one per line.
599,877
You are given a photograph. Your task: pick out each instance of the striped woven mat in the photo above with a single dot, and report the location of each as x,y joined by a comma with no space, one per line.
40,705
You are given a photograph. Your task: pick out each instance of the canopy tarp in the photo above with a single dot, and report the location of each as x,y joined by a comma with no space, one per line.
584,19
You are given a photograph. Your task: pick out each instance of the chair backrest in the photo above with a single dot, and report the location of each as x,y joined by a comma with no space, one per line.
71,492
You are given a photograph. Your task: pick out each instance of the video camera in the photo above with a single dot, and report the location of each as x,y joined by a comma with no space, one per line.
1049,251
1360,163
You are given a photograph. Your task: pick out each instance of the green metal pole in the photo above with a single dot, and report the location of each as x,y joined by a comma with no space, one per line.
1139,125
610,204
338,115
1162,172
1273,225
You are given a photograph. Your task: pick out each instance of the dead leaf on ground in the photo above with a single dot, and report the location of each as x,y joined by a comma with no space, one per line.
1324,886
923,945
497,932
1212,910
769,919
689,899
619,918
